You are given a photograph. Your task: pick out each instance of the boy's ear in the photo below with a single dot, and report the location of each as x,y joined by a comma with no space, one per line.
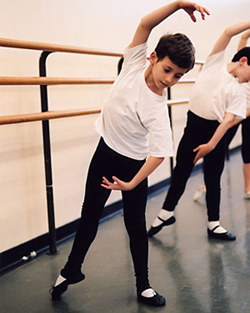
153,58
243,60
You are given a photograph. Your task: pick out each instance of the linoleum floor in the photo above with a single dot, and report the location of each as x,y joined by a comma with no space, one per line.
195,274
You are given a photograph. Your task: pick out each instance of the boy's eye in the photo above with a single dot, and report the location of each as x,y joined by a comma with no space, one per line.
167,70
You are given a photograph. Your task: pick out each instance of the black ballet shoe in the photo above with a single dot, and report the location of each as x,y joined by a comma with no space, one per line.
154,230
221,236
57,291
156,300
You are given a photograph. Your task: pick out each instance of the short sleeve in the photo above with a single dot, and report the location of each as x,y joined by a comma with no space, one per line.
237,102
135,58
159,133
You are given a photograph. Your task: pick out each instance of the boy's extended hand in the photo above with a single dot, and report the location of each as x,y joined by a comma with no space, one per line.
202,150
116,185
191,7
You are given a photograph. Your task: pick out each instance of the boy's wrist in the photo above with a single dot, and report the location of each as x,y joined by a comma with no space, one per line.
245,35
178,4
211,145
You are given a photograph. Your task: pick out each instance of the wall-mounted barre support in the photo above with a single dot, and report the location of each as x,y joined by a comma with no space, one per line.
47,153
171,159
47,158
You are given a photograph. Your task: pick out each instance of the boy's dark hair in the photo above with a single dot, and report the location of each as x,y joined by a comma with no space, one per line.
245,52
178,48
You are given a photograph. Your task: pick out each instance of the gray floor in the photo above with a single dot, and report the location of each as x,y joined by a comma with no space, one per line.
195,274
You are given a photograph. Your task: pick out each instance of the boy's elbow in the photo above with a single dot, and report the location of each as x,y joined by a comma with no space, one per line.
228,32
161,159
230,120
145,24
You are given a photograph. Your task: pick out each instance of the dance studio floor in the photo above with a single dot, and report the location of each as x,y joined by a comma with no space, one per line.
195,274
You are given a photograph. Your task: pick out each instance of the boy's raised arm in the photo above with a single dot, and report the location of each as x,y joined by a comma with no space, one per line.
243,40
154,18
228,33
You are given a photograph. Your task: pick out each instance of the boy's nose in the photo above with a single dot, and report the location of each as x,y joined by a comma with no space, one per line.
168,80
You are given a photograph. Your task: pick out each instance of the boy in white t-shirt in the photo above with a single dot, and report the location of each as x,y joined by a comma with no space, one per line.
133,125
245,132
217,99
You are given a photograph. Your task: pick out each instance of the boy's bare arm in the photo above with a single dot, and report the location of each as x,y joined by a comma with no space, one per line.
243,40
154,18
238,120
204,149
228,33
149,166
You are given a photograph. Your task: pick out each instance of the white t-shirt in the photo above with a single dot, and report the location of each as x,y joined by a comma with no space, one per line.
134,120
247,88
217,92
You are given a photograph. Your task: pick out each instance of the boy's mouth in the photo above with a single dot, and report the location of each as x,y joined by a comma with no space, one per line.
165,86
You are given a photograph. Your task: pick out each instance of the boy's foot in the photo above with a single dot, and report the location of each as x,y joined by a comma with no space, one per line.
62,284
247,195
155,299
154,230
199,192
221,236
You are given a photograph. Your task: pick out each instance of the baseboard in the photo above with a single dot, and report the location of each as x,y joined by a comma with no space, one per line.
13,257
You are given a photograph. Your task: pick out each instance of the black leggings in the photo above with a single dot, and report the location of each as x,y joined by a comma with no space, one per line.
198,131
106,162
245,131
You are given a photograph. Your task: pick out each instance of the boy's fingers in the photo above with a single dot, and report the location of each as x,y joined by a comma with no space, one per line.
196,158
205,10
202,11
193,17
115,179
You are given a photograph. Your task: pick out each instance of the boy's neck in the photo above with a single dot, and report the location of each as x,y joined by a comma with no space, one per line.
231,68
150,81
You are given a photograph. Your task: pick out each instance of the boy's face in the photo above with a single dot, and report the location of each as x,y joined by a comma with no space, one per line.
243,72
165,72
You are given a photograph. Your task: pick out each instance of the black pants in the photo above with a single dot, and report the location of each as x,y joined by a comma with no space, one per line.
198,131
245,131
108,163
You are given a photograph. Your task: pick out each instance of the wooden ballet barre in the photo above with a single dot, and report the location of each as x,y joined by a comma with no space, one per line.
52,81
187,81
32,117
199,62
65,81
32,45
176,102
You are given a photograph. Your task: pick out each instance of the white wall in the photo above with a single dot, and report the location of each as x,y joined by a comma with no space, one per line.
109,25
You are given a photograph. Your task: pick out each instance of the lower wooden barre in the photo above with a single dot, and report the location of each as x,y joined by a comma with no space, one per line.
32,117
